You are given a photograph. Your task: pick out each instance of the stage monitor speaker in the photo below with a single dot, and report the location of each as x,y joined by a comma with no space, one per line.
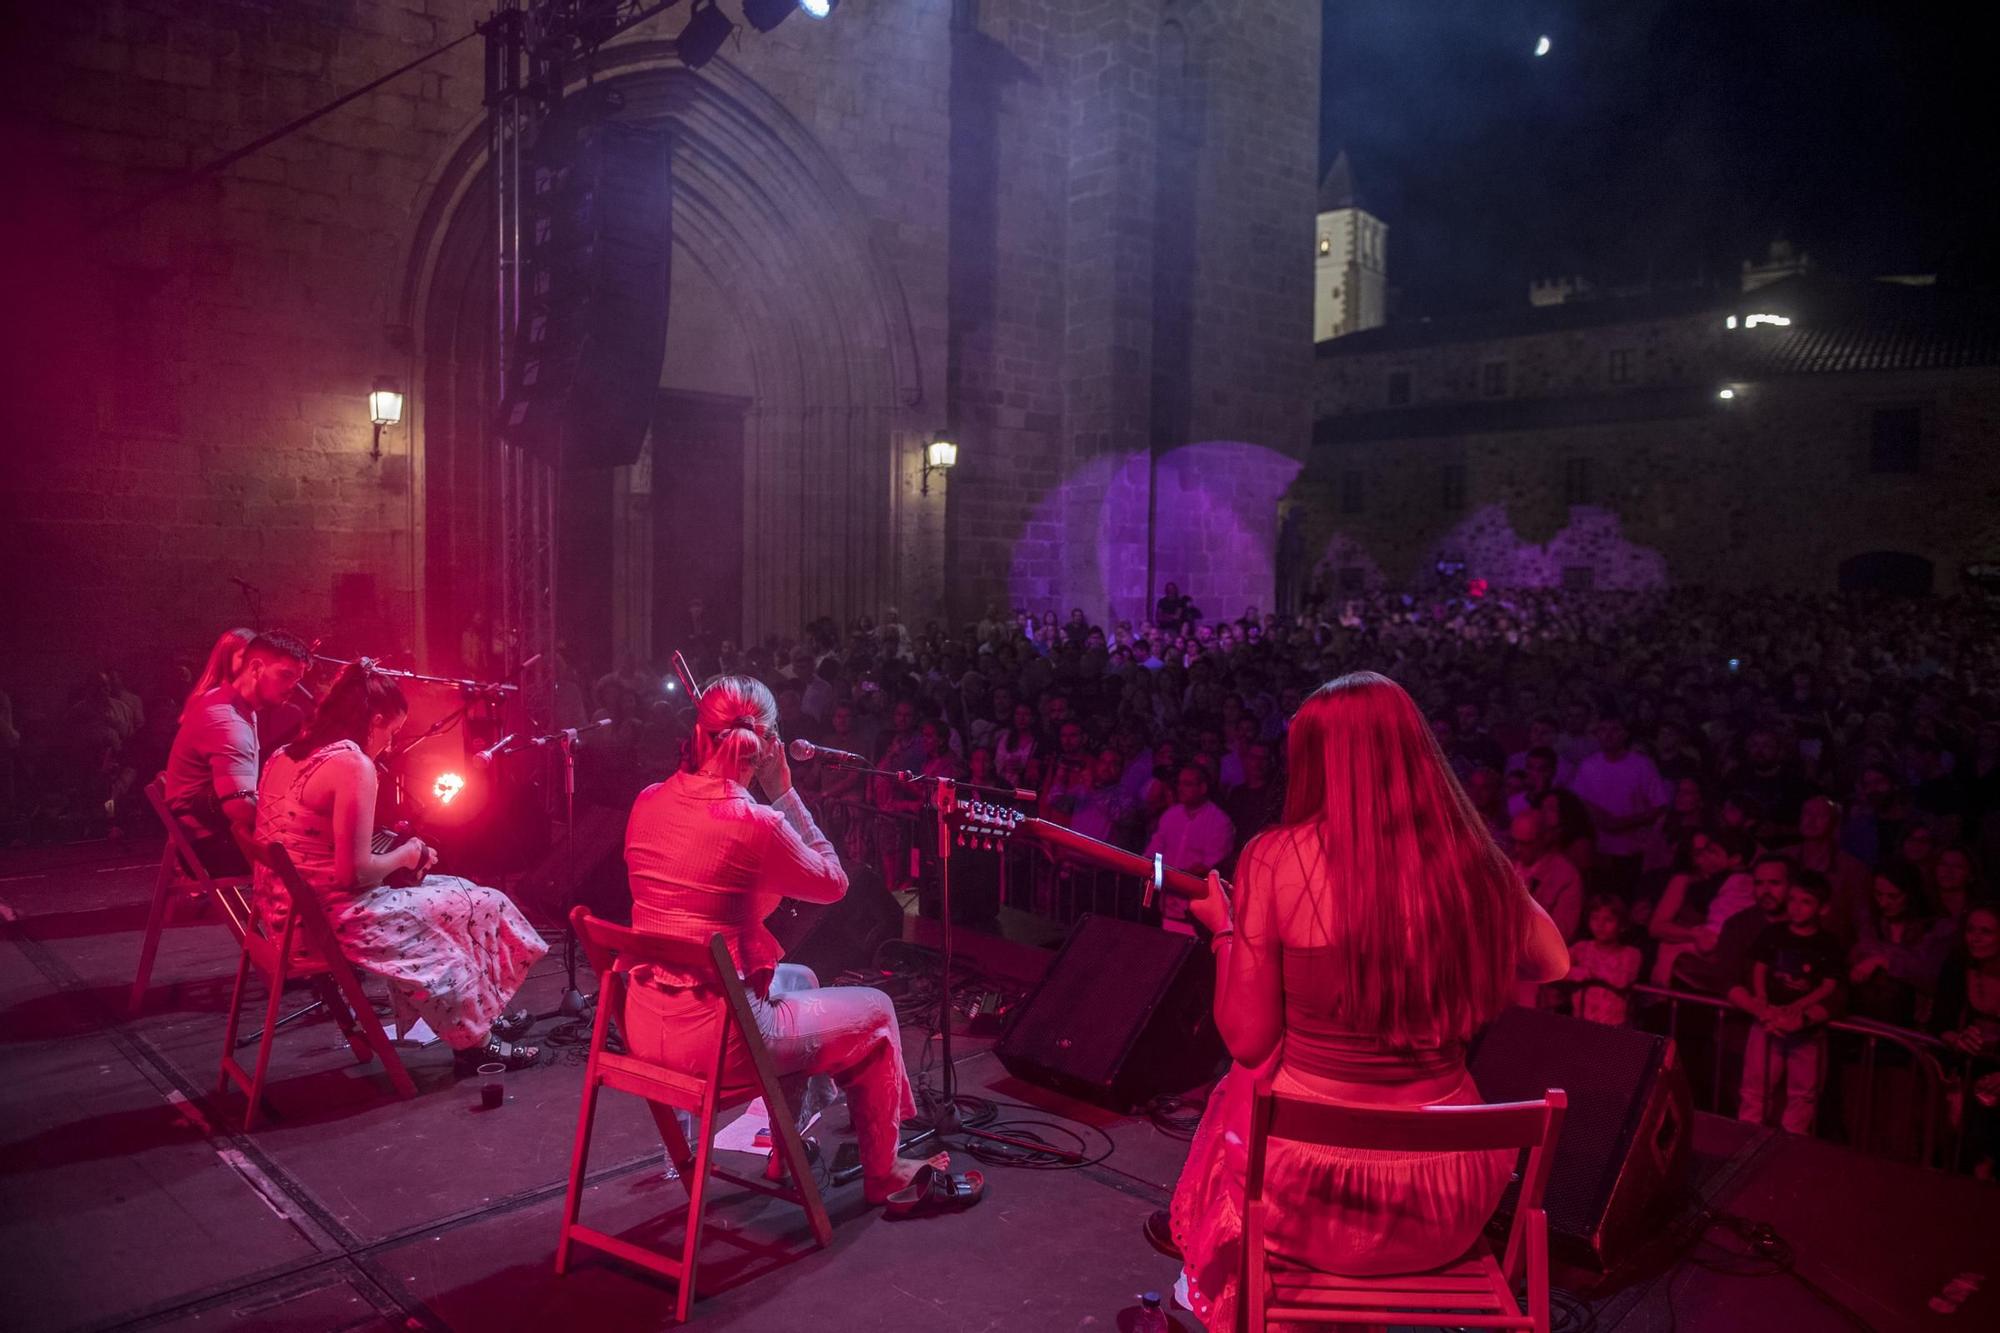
1124,1014
830,938
596,249
1623,1154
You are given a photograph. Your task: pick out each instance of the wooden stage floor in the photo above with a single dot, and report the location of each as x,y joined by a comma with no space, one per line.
127,1202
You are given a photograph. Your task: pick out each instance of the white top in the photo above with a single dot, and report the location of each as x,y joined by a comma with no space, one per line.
1199,839
1619,788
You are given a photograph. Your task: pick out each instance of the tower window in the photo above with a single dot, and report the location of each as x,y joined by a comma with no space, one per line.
1618,365
1399,388
1493,379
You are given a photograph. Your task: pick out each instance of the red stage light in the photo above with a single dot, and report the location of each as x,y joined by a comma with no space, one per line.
447,787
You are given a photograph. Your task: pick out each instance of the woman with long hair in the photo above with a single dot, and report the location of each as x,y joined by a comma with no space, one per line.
454,952
225,663
706,859
1372,933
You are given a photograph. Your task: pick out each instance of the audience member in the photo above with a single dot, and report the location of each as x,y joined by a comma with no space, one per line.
1795,969
1602,967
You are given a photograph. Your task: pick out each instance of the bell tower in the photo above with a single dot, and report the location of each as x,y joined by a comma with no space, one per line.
1350,262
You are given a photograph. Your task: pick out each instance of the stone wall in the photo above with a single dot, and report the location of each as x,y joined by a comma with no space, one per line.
1770,490
920,216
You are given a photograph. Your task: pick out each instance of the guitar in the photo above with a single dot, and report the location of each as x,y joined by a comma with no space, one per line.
981,824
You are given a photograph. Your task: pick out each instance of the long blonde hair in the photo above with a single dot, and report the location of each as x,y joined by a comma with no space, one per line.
1424,914
734,717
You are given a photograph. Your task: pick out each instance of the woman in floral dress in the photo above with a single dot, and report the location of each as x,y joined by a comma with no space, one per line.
453,951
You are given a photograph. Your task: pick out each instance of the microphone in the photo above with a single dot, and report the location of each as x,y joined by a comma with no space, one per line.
802,750
485,756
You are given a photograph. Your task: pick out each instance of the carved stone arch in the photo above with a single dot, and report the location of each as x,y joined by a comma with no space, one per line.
763,209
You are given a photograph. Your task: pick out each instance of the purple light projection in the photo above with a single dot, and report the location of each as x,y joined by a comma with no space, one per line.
1594,539
1215,532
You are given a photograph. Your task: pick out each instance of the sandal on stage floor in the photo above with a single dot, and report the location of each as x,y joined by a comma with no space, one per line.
496,1051
1159,1232
509,1027
932,1191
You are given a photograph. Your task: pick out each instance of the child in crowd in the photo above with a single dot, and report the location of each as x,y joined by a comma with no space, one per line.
1603,967
1795,967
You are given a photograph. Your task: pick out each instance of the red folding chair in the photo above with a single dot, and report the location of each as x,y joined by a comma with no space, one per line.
279,960
611,949
1476,1291
181,870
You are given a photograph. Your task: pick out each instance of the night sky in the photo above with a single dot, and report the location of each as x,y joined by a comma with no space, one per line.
1660,141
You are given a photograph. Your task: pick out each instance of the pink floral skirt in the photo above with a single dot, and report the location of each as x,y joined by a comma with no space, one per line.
1354,1211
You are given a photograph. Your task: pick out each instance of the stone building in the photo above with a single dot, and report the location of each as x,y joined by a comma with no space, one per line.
1807,435
1068,232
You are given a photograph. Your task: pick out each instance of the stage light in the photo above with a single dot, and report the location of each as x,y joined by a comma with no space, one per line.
764,15
1732,321
671,685
706,30
1542,46
1726,394
1775,321
447,787
940,455
385,408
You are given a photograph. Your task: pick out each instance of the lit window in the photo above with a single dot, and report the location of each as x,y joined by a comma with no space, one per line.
1326,245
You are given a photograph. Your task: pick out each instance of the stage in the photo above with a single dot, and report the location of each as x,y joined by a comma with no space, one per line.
125,1202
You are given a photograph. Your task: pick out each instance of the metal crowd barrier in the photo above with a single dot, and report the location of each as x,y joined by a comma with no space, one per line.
1921,1049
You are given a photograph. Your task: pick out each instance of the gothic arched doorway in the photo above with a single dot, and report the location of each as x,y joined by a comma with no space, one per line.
767,228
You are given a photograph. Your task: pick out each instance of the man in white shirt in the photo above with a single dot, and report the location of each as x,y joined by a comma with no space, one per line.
1194,835
1625,795
1551,878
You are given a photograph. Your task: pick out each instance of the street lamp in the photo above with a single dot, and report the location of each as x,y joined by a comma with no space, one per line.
940,455
385,408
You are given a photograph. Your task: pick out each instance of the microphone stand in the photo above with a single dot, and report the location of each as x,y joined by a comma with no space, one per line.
943,1118
574,1003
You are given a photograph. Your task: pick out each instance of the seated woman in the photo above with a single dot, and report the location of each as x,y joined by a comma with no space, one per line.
1374,930
454,952
706,859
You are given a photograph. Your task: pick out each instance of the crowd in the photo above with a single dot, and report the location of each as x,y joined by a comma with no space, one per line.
1789,803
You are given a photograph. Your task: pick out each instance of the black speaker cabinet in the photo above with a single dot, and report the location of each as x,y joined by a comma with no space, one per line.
1623,1154
1125,1013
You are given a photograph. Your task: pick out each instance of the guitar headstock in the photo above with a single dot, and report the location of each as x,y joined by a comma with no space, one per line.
981,824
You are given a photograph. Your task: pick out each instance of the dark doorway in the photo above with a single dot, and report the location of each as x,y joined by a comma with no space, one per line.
1896,572
697,522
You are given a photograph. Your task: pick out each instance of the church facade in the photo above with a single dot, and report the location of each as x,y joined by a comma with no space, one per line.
1067,236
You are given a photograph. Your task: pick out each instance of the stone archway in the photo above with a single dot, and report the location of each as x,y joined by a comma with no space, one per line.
765,213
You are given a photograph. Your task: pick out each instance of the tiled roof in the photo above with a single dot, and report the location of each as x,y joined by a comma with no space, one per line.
1869,342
